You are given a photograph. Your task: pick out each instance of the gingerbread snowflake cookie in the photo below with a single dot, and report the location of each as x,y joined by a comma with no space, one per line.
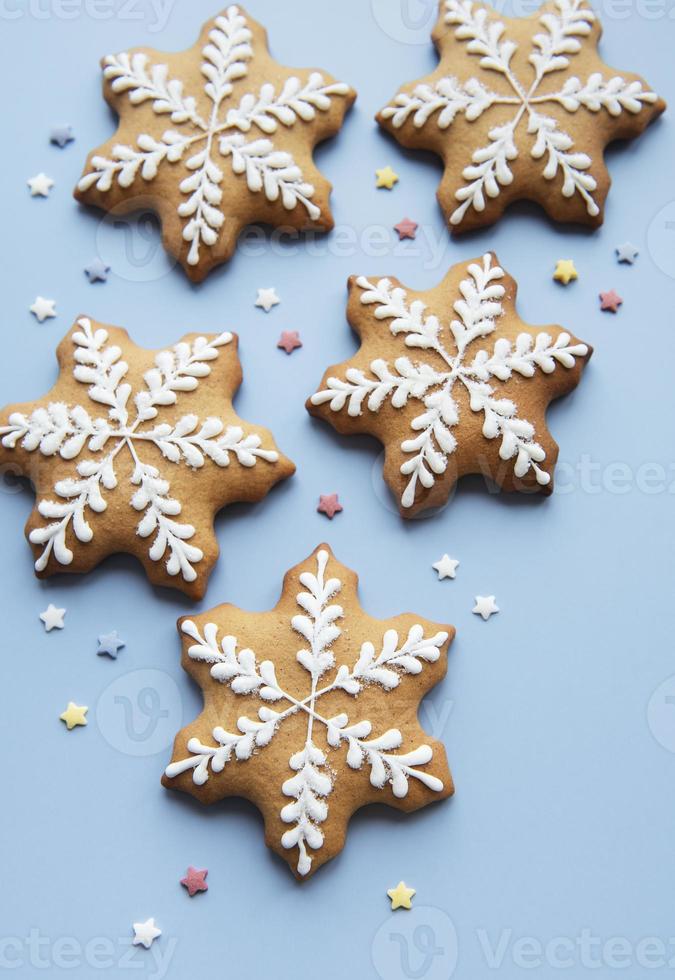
520,109
310,711
214,138
135,451
452,382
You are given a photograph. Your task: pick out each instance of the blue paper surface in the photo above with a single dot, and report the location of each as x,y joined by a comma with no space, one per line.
558,714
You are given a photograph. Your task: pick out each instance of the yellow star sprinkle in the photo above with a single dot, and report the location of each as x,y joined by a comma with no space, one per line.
401,896
565,272
74,715
386,178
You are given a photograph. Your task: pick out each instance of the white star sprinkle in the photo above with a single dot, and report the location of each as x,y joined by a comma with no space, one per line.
267,298
43,308
40,185
52,618
446,567
485,606
627,253
145,933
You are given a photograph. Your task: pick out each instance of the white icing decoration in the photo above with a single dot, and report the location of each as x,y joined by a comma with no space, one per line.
433,440
68,429
553,50
312,782
266,169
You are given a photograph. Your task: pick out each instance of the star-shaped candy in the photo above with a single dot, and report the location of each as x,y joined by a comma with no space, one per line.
627,253
43,309
214,138
446,567
195,881
135,451
40,185
52,618
610,301
310,711
267,298
61,135
385,177
485,606
406,229
289,341
145,933
74,715
451,381
97,271
401,896
520,108
109,645
329,505
565,272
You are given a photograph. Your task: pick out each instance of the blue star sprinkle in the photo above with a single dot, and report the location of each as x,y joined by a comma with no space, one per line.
109,645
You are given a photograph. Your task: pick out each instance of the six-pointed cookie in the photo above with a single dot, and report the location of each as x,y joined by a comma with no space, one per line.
520,108
135,451
451,381
310,711
214,138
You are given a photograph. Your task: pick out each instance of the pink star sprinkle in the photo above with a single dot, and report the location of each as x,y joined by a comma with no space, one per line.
610,302
289,341
406,229
195,881
329,505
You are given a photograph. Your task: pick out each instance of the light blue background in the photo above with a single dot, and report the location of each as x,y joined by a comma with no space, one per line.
563,818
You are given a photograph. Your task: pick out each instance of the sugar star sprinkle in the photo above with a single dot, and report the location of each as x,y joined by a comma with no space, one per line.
74,715
610,301
386,178
97,271
267,298
329,505
446,567
565,272
40,185
145,933
52,618
61,135
485,606
626,253
195,881
401,896
406,229
109,645
289,341
43,309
